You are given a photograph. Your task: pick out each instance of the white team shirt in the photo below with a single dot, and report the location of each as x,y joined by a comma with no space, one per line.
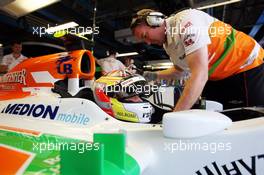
10,61
186,32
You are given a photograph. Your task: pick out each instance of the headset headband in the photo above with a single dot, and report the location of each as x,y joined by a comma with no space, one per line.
149,16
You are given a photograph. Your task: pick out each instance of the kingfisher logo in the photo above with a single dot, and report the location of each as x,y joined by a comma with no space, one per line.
48,111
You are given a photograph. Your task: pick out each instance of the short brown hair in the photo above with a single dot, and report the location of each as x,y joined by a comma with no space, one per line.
140,18
15,42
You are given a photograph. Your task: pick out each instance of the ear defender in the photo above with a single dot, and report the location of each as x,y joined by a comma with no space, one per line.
152,18
155,19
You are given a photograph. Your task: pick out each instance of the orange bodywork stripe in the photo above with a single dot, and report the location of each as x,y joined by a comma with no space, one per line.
5,95
24,131
11,160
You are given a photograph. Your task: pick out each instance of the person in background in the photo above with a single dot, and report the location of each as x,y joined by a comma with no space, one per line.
130,66
11,60
110,63
207,48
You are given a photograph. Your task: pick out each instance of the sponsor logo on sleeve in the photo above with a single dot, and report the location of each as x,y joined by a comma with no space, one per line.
188,24
188,40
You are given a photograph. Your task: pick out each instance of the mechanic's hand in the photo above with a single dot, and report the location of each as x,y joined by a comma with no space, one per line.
149,76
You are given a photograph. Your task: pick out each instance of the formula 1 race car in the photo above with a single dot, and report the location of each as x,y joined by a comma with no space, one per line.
51,123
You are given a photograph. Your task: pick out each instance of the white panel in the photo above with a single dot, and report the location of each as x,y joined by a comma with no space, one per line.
43,77
194,123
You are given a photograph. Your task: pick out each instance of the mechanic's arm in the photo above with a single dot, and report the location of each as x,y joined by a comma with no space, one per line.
3,65
3,69
170,73
198,63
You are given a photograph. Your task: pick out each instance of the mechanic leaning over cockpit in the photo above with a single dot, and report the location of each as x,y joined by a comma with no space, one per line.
207,48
